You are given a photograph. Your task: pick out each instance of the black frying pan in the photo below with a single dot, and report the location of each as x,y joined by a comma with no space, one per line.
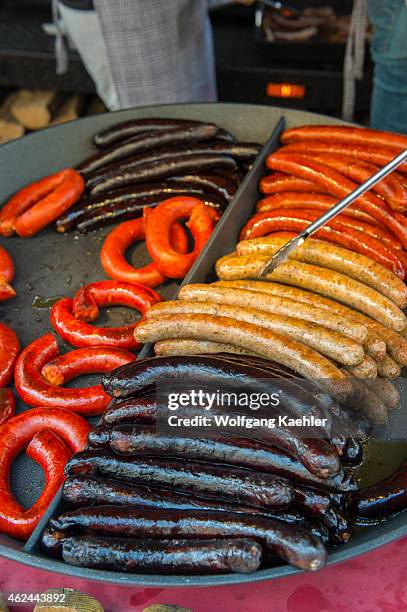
51,265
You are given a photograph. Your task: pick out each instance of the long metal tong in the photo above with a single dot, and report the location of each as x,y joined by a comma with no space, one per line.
283,253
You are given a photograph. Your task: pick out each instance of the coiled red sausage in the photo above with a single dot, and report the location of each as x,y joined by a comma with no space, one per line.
9,350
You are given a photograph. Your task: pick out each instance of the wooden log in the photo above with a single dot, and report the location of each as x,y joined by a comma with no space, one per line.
70,110
95,106
9,127
34,109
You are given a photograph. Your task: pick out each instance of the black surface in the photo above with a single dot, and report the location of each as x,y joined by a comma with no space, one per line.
46,262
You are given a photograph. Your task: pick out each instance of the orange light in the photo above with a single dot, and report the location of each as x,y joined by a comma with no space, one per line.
285,90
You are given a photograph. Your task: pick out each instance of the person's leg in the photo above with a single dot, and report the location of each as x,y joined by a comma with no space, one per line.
389,52
83,29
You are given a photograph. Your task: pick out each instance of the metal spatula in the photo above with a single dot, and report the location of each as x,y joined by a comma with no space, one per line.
283,253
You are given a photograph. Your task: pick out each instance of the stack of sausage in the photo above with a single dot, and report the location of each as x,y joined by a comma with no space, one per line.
220,502
144,161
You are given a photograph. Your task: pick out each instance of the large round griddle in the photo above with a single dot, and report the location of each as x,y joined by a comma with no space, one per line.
51,265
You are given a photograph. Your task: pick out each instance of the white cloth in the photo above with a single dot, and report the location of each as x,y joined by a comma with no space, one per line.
84,31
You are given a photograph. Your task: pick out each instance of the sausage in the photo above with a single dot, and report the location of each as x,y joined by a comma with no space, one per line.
370,153
208,481
6,275
163,168
146,142
243,453
112,255
92,360
25,198
314,201
344,134
384,498
239,151
43,212
366,369
126,198
385,390
265,343
112,214
48,449
388,368
261,223
9,350
370,404
126,129
390,188
338,185
280,182
88,300
347,234
290,542
165,556
144,375
320,280
319,253
158,223
36,391
136,441
327,342
83,490
7,405
284,307
220,186
306,297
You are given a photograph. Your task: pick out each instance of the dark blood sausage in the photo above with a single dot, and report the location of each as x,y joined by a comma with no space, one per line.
126,129
147,142
238,452
165,556
207,370
135,441
385,497
82,490
161,169
208,183
290,542
239,151
115,212
212,481
128,196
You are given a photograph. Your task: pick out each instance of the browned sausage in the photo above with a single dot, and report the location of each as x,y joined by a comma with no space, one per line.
320,280
327,342
266,343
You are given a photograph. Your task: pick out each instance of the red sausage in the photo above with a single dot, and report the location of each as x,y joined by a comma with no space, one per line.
202,220
266,223
36,391
379,155
118,241
317,201
52,453
81,334
90,298
7,405
92,360
43,212
278,182
6,275
338,185
390,188
345,134
9,349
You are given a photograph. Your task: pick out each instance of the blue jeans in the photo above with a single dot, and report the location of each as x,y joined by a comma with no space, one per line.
389,53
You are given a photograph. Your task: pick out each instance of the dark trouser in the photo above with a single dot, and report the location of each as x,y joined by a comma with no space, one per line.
389,52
